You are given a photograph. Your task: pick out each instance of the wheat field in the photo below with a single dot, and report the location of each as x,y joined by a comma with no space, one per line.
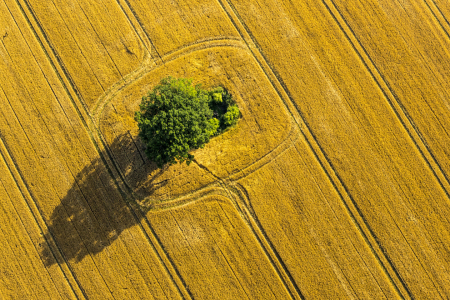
333,185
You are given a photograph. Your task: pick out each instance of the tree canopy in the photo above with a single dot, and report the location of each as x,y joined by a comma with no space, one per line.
176,117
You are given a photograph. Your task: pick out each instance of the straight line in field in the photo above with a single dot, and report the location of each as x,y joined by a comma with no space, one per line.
68,273
395,103
76,42
106,50
61,153
440,19
30,199
47,80
139,28
397,107
54,59
85,117
245,209
240,238
65,268
351,206
439,16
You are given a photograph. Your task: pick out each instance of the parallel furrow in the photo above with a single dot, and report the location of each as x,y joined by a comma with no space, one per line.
394,102
139,28
46,125
439,15
86,119
65,268
237,193
348,201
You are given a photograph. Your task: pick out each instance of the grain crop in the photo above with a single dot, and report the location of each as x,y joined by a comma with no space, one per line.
334,184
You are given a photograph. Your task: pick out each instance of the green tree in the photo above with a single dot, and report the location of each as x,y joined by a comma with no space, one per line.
176,117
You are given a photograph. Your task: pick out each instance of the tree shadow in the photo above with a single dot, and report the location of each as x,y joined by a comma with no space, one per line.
95,211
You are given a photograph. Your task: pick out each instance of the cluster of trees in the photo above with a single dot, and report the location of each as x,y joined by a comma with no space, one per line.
176,117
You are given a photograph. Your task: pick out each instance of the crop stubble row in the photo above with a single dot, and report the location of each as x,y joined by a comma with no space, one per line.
420,84
414,62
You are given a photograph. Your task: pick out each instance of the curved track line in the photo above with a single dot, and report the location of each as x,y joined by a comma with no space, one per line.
83,113
163,203
183,200
145,63
243,205
189,198
233,193
138,27
203,44
292,136
128,79
148,65
351,206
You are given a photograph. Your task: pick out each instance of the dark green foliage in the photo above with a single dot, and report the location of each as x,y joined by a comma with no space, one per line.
176,117
224,107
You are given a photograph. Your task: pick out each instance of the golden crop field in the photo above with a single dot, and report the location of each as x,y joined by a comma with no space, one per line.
335,184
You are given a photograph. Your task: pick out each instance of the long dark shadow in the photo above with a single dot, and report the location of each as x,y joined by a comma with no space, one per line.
94,212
